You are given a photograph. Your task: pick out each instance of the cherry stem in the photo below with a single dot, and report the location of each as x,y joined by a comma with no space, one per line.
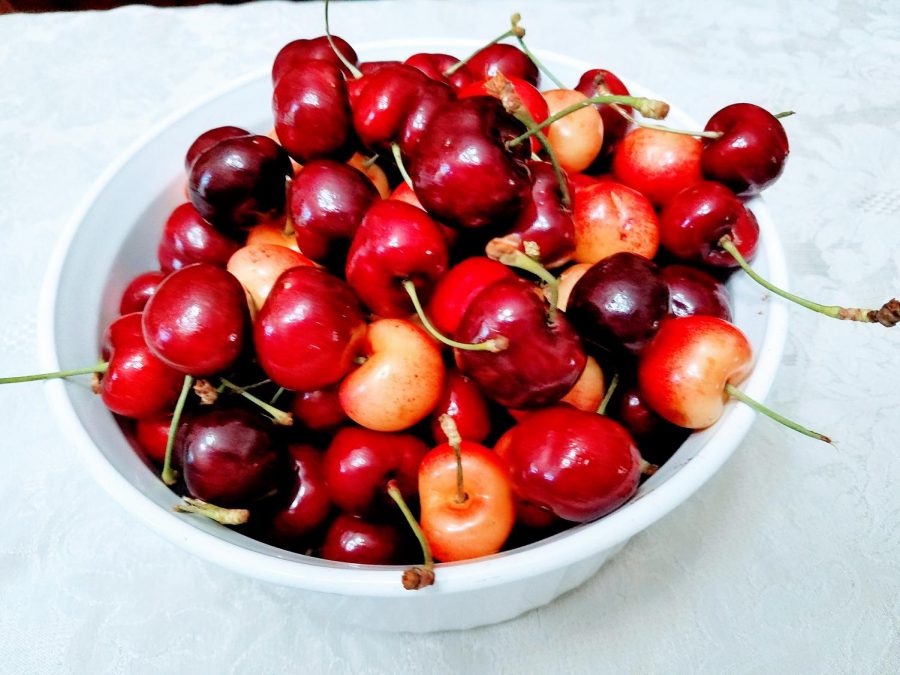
98,368
356,72
277,396
648,107
415,577
734,392
888,315
213,512
279,417
370,161
169,475
497,344
505,251
513,31
395,150
520,34
783,114
607,397
659,127
448,426
503,89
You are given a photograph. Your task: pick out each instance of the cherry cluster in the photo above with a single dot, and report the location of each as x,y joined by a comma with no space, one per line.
435,294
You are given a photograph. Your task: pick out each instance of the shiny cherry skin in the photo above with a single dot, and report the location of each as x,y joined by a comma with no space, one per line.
136,383
229,457
610,217
394,242
576,139
544,220
306,503
462,171
312,112
317,48
361,542
434,66
309,330
459,286
693,291
258,266
531,98
695,219
751,153
270,233
541,362
327,203
506,59
208,139
319,410
656,438
152,435
683,372
197,320
576,464
240,182
480,524
619,302
139,290
465,404
188,239
359,463
614,125
658,164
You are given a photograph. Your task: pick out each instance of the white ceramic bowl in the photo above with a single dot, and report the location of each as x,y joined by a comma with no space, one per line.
113,236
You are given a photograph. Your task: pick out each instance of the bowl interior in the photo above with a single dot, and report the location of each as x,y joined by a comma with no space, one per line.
114,236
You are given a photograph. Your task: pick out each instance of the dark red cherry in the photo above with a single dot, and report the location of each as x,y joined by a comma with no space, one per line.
152,435
695,219
693,291
354,540
506,59
208,139
327,202
240,182
614,124
434,66
188,239
307,504
319,410
459,286
656,438
229,456
751,153
318,48
619,302
197,320
463,401
139,291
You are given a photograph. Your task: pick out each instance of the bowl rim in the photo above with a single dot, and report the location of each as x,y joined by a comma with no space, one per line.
282,567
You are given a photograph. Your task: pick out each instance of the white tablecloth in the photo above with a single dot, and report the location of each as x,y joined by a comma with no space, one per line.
787,561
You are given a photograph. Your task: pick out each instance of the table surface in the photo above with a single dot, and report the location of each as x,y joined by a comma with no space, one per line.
787,561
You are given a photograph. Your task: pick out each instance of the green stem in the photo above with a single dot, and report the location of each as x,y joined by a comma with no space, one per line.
369,162
277,395
169,475
659,127
278,416
519,32
448,426
510,33
213,512
415,577
356,72
783,113
398,159
734,392
497,344
505,251
98,368
607,397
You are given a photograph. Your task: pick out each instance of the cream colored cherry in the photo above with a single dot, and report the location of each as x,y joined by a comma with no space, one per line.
588,391
274,234
258,266
576,138
567,281
374,172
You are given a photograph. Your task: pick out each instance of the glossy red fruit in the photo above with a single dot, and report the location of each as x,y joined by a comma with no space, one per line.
614,124
751,153
531,98
307,503
308,331
656,438
139,290
693,291
197,320
312,112
695,219
506,59
319,410
462,171
576,464
395,242
136,383
544,220
152,435
658,164
328,200
354,540
459,286
208,139
318,48
542,360
465,404
359,463
434,66
188,239
229,457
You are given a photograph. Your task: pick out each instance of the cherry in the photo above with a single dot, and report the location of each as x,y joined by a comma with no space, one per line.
693,291
506,59
229,457
434,66
750,153
306,503
542,359
319,410
354,540
462,171
656,438
619,302
576,464
529,95
308,331
610,217
395,242
188,239
615,125
269,233
240,182
318,48
695,220
312,112
152,435
197,319
659,164
567,281
464,403
458,287
587,393
369,166
328,200
258,266
139,290
359,463
576,138
208,139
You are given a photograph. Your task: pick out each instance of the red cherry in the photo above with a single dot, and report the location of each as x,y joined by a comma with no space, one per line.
197,319
319,410
656,438
609,218
354,540
188,239
506,59
658,163
139,291
318,48
529,95
152,435
434,66
464,403
459,286
615,125
307,501
208,139
693,291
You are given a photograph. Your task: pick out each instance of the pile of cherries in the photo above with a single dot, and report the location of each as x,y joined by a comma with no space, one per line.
434,295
